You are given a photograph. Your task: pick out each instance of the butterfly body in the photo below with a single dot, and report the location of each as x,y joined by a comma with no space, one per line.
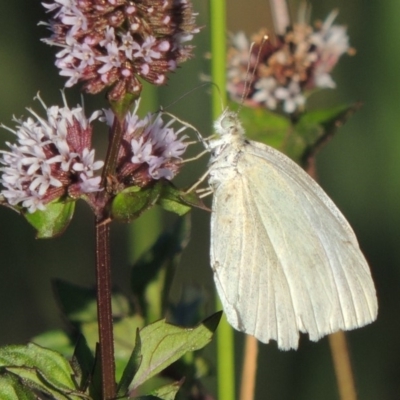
285,259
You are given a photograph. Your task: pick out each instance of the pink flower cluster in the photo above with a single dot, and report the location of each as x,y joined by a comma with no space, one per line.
288,67
150,150
113,42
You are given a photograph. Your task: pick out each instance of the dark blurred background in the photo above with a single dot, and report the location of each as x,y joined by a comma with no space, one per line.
358,169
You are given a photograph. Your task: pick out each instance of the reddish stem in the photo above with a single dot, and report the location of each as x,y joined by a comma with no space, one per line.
103,261
104,311
110,164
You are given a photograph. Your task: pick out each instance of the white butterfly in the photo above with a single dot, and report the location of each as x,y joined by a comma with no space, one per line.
284,257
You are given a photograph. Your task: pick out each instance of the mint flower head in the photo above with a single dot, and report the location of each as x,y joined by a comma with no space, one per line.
113,42
150,150
289,67
52,158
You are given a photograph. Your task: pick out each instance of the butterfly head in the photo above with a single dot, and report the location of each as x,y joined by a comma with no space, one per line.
228,124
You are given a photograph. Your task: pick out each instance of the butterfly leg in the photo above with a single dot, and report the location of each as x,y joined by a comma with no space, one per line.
204,192
198,182
195,157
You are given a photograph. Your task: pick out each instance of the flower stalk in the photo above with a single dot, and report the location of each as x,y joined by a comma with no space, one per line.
110,164
104,311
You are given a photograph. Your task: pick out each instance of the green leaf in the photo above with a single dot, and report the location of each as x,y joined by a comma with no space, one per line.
153,272
297,139
131,368
167,392
11,388
95,387
39,367
163,344
53,220
82,363
34,380
79,303
56,340
133,201
317,127
264,126
124,334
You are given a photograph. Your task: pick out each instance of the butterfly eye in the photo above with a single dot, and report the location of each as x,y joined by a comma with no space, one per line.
227,122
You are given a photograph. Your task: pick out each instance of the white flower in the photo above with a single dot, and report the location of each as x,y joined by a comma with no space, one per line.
89,185
265,92
291,96
87,163
146,50
128,45
111,60
50,155
141,151
109,37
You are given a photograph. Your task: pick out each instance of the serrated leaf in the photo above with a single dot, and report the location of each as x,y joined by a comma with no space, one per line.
43,367
53,220
79,303
11,388
163,344
131,367
153,272
133,201
177,201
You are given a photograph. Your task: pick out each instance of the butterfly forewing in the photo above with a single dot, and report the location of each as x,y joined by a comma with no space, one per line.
284,258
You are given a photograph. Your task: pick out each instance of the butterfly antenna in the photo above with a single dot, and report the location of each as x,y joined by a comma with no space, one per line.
247,81
162,109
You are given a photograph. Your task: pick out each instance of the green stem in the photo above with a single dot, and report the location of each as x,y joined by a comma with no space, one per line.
218,51
225,342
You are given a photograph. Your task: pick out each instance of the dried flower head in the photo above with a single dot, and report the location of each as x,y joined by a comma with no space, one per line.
150,150
53,158
289,67
113,42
